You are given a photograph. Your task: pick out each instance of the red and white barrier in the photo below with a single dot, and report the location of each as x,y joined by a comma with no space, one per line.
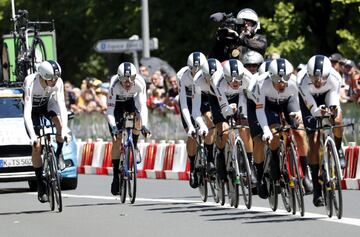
169,161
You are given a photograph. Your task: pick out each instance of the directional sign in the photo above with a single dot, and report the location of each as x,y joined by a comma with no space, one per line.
123,45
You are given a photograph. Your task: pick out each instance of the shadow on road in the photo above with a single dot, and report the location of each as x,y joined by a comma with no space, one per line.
23,212
14,190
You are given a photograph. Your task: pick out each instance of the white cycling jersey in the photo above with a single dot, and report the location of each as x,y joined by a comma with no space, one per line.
185,82
36,96
225,92
201,86
262,89
117,93
331,88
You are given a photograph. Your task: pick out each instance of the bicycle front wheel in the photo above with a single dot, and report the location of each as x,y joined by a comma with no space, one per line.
214,189
56,180
48,179
298,187
287,194
131,176
245,173
203,186
38,54
335,179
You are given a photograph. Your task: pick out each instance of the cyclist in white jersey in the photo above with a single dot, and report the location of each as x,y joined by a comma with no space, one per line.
231,100
127,93
44,96
185,78
319,84
275,92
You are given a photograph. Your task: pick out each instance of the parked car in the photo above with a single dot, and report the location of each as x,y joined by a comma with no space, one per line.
15,148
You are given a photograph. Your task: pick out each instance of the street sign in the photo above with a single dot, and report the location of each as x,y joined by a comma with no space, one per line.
123,45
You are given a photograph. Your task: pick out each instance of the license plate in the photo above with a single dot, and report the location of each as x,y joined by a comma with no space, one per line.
15,162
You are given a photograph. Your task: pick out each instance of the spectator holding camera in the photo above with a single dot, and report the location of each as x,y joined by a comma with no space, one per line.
236,36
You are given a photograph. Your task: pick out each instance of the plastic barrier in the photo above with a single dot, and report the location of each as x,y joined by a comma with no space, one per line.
149,160
181,167
142,149
106,167
86,157
159,161
351,178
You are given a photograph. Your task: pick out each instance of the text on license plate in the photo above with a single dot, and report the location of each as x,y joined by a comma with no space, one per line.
15,162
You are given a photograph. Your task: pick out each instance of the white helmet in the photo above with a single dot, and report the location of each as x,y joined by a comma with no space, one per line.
196,60
49,70
211,66
252,57
249,14
126,71
319,65
280,70
264,67
233,70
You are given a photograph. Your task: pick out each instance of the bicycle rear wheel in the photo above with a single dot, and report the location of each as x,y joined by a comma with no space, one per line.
38,54
335,179
56,180
21,60
298,187
245,173
273,195
221,191
5,63
131,177
122,180
214,189
287,194
233,192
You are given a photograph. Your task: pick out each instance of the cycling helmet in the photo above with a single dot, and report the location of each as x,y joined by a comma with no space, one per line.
126,71
249,14
233,70
319,65
195,61
264,67
211,66
49,70
252,57
280,70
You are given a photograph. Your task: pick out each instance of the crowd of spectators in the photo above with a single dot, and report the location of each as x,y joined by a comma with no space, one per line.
162,92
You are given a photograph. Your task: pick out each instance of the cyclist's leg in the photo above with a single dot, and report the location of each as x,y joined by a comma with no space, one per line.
338,134
221,140
53,113
209,140
36,157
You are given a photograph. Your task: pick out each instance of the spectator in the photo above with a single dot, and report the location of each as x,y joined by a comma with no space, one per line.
171,99
157,82
70,98
336,62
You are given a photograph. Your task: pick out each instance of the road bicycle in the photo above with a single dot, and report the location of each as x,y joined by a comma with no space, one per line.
29,47
330,175
128,164
291,176
237,167
203,175
51,169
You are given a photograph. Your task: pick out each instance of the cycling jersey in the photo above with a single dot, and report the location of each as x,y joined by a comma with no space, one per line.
225,92
263,93
36,97
201,86
185,81
331,90
118,94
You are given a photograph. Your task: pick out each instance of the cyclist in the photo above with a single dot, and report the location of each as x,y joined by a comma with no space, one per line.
44,96
203,90
127,93
231,100
185,78
319,84
273,93
264,67
252,61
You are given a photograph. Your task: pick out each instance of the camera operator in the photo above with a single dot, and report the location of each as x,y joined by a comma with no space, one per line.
236,36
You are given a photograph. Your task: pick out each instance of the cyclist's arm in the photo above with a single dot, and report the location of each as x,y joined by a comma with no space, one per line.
28,98
111,101
307,96
196,104
242,104
183,99
61,103
219,84
332,97
260,111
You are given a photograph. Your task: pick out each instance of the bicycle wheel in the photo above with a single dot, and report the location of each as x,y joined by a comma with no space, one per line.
203,189
48,177
131,176
21,60
221,191
335,178
200,166
214,189
55,179
5,63
298,187
122,184
233,190
273,195
38,54
287,194
245,173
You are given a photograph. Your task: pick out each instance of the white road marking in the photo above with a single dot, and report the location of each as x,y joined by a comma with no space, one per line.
308,215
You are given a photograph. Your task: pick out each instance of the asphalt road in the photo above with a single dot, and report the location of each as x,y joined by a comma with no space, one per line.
162,208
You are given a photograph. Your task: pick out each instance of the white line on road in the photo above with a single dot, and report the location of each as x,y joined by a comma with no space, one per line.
308,215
